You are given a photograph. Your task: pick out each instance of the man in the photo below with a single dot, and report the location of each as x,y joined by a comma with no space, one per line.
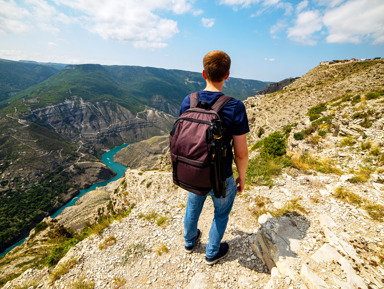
216,70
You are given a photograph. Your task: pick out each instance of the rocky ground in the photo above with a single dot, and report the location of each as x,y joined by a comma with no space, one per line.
332,245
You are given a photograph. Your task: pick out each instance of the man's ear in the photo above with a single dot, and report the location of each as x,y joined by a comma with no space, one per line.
204,75
227,76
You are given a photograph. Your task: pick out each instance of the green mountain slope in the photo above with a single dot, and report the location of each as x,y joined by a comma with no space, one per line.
16,76
130,86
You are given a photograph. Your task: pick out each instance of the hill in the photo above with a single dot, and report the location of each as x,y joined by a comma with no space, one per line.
17,76
311,217
130,86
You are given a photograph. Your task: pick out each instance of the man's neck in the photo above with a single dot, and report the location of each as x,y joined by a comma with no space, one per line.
214,86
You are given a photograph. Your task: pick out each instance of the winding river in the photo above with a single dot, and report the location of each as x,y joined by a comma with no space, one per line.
107,158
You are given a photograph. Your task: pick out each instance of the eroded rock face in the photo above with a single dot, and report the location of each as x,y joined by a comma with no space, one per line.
143,155
101,123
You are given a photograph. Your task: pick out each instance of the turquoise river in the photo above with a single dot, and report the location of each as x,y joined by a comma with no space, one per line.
107,159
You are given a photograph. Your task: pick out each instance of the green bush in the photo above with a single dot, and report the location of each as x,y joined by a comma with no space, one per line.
40,227
322,132
318,109
299,135
260,132
356,99
288,128
372,95
260,171
273,145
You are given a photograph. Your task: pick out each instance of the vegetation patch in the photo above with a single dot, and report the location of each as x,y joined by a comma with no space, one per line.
273,145
315,112
162,221
260,171
134,250
375,211
83,283
307,162
110,241
62,269
162,248
299,135
292,207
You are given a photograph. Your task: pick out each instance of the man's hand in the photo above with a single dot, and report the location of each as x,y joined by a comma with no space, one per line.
240,184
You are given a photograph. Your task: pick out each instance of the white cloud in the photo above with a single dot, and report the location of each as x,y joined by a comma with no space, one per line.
269,59
130,20
197,12
19,18
12,17
329,3
137,21
306,24
27,55
242,3
301,5
356,21
277,28
208,22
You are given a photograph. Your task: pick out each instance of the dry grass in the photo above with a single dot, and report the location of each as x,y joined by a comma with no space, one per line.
162,248
62,269
375,211
306,162
111,240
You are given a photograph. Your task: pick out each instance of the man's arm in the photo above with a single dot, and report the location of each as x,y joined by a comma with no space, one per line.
241,158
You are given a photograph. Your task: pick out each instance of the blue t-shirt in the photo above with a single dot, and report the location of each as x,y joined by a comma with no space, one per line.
234,118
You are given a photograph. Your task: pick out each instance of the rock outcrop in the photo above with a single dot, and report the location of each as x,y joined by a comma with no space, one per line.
276,86
143,155
101,124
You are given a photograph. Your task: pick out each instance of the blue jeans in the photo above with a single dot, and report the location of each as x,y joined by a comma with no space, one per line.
223,207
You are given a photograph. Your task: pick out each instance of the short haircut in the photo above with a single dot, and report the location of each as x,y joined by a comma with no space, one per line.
216,65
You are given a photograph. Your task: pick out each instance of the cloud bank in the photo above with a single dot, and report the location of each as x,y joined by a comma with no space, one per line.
141,22
335,21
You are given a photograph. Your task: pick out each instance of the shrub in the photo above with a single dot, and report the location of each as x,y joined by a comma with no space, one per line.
260,132
322,132
298,135
323,120
260,170
366,145
318,109
347,141
288,128
372,95
273,145
356,99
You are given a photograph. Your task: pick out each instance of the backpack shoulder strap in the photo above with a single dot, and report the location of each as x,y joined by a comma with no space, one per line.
193,99
220,102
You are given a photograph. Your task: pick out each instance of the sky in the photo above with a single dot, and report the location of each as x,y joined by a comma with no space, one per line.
267,40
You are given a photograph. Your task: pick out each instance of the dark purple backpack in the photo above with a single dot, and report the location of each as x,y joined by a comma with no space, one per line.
193,150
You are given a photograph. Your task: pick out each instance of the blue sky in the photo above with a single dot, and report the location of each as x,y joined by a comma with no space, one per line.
267,40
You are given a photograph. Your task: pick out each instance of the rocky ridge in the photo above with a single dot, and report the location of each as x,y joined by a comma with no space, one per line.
325,239
102,124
